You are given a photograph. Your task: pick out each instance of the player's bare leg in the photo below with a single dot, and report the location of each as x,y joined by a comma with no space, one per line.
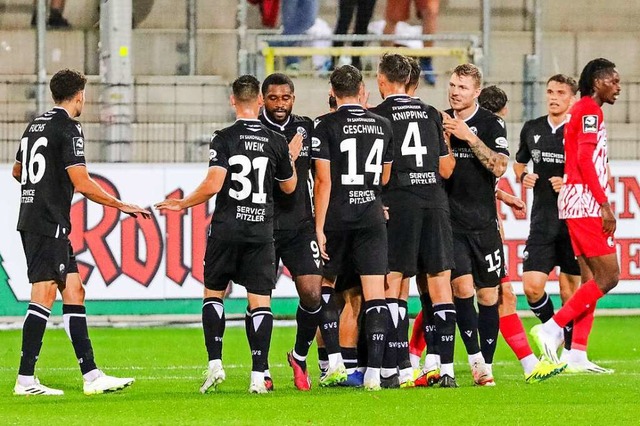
389,372
349,334
376,319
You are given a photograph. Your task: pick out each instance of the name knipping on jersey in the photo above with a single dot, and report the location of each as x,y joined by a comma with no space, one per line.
254,142
361,197
408,115
250,214
425,178
27,196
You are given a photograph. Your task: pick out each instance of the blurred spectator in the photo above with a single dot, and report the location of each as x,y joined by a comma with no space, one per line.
56,20
268,11
297,17
427,11
346,8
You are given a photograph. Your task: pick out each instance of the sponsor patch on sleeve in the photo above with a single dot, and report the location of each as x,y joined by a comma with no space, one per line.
502,142
78,147
590,124
213,155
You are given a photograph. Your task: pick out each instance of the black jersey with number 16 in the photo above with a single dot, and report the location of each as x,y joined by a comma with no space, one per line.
51,144
417,128
471,187
357,142
254,157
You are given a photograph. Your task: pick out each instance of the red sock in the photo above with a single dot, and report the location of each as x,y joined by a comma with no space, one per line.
582,300
582,328
417,343
515,336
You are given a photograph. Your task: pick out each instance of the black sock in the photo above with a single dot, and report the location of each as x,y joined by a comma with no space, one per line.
376,322
363,350
307,321
213,324
543,308
329,321
260,328
323,359
488,328
33,329
568,335
390,358
75,324
428,326
445,324
403,335
467,318
350,358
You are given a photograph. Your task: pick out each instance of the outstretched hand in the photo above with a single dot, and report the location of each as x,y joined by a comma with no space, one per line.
169,204
134,210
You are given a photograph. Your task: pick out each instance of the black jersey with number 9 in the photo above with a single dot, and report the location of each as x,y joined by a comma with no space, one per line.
357,143
253,156
51,144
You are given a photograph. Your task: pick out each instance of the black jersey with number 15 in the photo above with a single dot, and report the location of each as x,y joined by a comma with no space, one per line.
51,144
417,129
471,187
253,156
357,142
293,211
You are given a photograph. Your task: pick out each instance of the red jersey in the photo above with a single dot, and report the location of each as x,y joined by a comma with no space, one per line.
584,185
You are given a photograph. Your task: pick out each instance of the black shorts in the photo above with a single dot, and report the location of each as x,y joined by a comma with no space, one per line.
299,251
480,254
420,239
542,254
48,258
363,250
251,265
347,281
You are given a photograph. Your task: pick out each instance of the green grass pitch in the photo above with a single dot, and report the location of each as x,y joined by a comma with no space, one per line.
168,364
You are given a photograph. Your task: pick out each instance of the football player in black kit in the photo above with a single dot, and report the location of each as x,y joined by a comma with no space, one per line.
245,161
479,143
419,229
353,151
295,238
50,165
549,244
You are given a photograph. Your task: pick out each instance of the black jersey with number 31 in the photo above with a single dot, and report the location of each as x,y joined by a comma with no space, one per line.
417,129
51,144
471,187
253,156
357,142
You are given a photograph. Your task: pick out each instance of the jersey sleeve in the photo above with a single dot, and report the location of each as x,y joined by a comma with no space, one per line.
497,137
72,148
388,154
320,141
523,156
284,167
587,143
437,118
219,150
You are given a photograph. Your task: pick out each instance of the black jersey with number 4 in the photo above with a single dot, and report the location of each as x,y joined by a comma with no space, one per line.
471,187
51,144
417,130
293,211
543,144
254,157
357,142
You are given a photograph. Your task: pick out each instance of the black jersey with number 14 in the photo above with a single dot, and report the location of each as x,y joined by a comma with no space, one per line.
357,142
471,187
254,157
51,144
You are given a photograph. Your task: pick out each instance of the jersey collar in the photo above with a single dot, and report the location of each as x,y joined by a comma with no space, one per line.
455,115
350,106
274,124
62,109
555,128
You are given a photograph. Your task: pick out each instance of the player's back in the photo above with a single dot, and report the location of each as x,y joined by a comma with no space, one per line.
255,157
357,142
417,129
471,187
51,143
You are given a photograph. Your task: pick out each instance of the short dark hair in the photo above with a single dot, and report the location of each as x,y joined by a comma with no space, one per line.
595,69
346,81
276,79
564,79
493,98
395,68
66,83
469,70
245,88
414,75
